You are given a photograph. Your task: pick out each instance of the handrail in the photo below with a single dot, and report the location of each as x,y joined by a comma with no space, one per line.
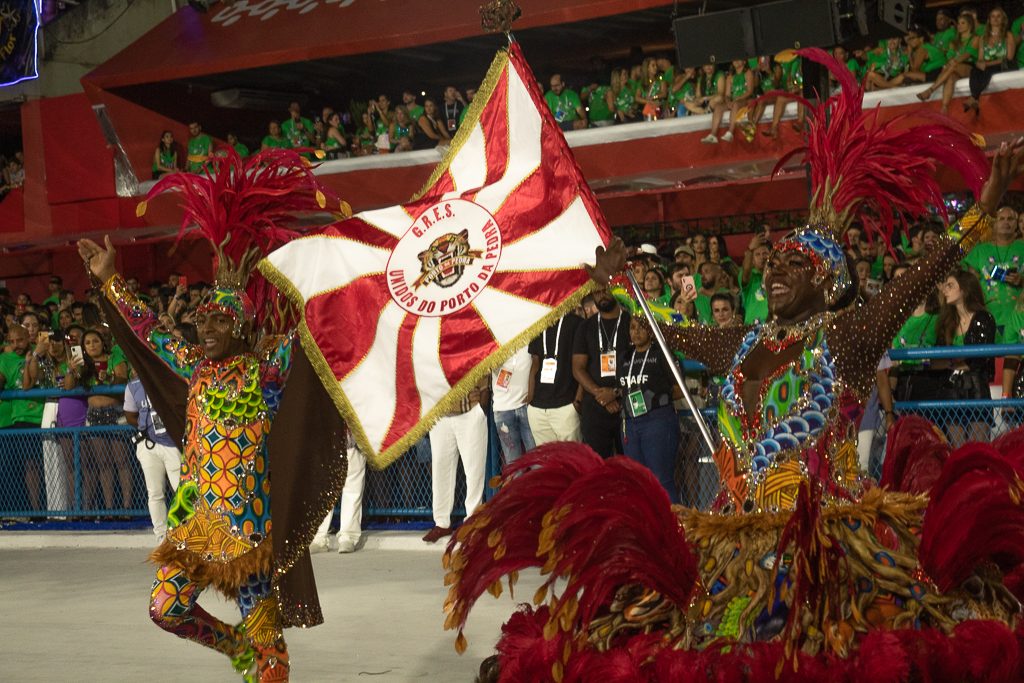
972,351
33,394
964,403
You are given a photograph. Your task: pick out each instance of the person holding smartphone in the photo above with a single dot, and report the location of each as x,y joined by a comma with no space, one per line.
997,263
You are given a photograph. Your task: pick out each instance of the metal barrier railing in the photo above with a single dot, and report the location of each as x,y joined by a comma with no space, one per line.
92,472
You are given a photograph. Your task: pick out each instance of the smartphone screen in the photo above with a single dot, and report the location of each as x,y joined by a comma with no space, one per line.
183,281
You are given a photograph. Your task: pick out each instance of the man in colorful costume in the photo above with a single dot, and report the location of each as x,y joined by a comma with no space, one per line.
803,570
219,399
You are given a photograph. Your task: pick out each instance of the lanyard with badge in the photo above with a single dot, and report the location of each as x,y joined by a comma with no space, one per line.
549,366
637,404
607,357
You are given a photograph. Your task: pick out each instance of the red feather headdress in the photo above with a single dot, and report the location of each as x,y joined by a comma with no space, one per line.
247,208
881,172
878,171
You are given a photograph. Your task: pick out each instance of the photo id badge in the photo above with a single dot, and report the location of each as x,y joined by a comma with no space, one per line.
504,378
547,371
608,364
637,404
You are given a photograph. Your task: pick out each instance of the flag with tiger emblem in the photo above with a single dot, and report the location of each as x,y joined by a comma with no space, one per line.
405,309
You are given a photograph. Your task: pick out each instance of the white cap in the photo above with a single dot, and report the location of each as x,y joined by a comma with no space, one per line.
648,249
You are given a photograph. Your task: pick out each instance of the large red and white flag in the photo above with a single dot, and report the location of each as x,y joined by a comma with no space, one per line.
404,309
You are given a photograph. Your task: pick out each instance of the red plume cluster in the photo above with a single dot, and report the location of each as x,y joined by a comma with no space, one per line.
881,171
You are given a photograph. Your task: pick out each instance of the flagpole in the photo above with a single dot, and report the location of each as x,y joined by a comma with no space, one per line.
639,292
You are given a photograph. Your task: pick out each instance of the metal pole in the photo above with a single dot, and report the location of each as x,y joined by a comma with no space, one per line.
639,292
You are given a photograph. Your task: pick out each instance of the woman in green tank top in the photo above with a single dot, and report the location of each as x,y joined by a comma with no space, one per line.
653,90
962,53
165,157
887,67
739,88
623,96
793,83
997,49
710,88
335,143
769,78
401,132
683,95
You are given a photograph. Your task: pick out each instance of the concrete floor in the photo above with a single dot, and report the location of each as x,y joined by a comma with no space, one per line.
74,610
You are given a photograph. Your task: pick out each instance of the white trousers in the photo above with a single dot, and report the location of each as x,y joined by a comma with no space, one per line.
159,464
453,437
58,488
351,517
554,424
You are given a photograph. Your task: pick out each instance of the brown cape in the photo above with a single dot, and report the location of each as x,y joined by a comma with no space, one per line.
306,459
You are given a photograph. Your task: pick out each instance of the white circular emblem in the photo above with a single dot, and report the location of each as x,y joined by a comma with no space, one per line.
445,259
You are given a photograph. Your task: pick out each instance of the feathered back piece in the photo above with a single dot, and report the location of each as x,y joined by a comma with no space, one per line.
246,208
879,171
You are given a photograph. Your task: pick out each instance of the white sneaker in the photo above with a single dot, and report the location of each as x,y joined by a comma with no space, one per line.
709,139
727,137
346,546
320,545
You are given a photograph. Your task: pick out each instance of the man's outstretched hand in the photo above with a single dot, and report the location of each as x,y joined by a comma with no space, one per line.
609,262
99,260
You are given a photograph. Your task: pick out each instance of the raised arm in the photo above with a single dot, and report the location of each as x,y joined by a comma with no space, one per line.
179,355
859,338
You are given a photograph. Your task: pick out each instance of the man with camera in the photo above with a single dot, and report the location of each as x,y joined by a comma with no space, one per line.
997,264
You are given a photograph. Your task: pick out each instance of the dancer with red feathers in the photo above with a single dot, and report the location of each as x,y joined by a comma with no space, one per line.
219,400
803,570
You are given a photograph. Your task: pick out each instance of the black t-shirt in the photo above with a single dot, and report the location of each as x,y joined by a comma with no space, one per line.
595,336
646,372
559,347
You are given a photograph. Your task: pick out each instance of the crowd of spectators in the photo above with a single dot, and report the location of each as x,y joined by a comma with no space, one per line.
961,45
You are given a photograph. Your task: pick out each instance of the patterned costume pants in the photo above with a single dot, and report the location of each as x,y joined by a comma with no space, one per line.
255,645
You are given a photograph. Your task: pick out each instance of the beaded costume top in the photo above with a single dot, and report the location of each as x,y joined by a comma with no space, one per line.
222,506
801,425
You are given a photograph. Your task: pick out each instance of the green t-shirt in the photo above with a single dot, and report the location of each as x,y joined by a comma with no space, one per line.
936,58
168,159
755,301
702,304
199,149
1000,298
687,93
11,365
943,39
564,106
918,332
415,112
599,110
297,137
1017,29
279,143
241,150
116,358
1013,331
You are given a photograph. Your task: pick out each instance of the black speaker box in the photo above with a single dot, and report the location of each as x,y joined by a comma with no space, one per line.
794,24
714,38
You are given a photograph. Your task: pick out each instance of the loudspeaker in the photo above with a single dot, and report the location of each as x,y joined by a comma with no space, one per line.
793,24
714,38
896,13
